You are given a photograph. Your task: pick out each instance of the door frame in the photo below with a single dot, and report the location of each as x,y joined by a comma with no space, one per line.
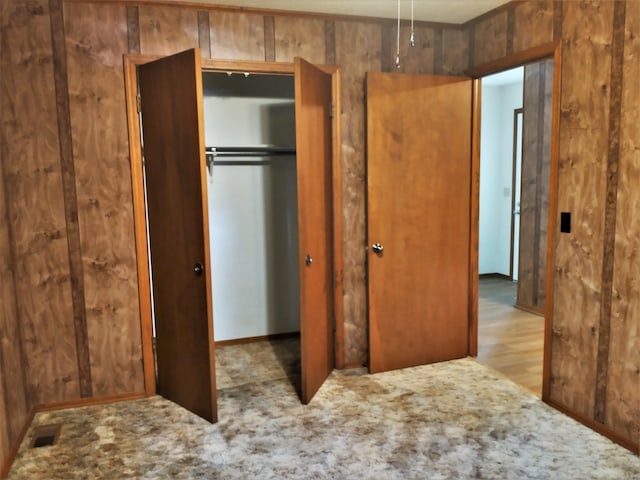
518,115
131,62
551,50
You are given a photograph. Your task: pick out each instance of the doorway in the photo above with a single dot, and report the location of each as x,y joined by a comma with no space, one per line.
250,138
170,102
515,162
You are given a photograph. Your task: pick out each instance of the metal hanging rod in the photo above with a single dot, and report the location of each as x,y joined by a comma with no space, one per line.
249,151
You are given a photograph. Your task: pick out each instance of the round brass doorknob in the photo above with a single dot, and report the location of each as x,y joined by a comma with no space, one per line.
377,248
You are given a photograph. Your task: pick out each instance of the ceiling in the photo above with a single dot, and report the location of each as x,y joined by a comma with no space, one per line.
447,11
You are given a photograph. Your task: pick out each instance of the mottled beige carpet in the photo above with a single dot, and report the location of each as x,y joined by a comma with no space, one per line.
454,420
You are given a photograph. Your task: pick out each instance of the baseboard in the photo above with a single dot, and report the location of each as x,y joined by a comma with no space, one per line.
501,276
352,365
529,309
13,451
87,402
597,426
262,338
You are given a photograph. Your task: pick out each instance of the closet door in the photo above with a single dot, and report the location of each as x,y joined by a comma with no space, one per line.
313,161
172,128
418,204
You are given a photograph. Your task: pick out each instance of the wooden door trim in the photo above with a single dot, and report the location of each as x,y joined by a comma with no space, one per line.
549,50
516,112
474,229
131,61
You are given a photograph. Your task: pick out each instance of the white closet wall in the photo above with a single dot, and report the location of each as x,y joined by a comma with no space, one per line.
253,217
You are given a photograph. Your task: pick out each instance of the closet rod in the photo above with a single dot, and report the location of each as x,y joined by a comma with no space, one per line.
249,151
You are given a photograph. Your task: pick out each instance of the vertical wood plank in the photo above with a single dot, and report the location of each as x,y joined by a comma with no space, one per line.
438,46
456,46
330,42
511,24
165,30
204,34
133,29
608,253
96,37
386,39
70,197
35,202
238,36
490,38
623,385
13,382
357,52
269,39
587,29
533,24
557,19
300,37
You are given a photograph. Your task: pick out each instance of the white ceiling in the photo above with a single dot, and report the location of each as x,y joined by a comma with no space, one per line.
447,11
508,77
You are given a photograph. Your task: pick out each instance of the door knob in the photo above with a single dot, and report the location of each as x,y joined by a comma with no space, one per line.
377,248
308,260
198,269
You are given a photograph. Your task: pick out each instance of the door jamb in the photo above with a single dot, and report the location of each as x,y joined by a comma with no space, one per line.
131,62
548,50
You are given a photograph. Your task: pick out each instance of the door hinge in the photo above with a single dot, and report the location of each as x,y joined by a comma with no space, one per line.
138,103
331,110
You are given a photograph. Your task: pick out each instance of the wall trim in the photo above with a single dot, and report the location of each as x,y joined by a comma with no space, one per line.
596,426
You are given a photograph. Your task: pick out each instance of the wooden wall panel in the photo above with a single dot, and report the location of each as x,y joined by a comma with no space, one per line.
490,38
300,37
237,36
587,31
96,38
455,51
623,385
357,52
534,202
166,29
533,24
12,368
36,203
419,59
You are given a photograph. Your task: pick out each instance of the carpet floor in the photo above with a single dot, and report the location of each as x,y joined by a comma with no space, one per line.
453,420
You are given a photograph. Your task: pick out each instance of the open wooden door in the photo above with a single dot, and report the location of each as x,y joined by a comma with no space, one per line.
172,130
418,203
313,160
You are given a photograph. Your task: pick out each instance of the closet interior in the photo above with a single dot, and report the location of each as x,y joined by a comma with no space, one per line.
249,123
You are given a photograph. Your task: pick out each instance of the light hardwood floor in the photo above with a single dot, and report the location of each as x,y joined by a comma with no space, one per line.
509,340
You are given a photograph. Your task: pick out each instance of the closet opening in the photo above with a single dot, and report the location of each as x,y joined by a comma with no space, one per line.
250,138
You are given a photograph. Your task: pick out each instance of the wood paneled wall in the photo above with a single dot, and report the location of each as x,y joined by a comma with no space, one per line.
534,196
67,185
73,326
595,354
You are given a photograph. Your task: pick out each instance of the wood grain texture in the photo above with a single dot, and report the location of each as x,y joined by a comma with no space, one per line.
166,29
330,42
133,29
357,52
533,24
70,197
534,198
269,39
587,29
96,37
419,59
13,381
623,383
490,38
300,37
36,203
455,51
238,36
610,209
204,33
